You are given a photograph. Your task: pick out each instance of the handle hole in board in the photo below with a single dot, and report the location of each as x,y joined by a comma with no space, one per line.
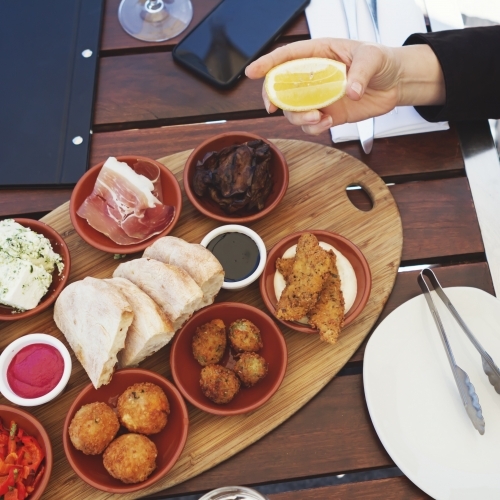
359,197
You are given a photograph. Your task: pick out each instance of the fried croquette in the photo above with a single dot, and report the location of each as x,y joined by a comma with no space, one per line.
219,384
93,427
244,336
251,368
310,265
143,408
131,458
327,315
209,342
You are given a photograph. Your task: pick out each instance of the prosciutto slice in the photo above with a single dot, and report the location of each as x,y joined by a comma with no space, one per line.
126,203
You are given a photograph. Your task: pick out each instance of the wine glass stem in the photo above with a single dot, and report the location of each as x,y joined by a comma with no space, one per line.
153,5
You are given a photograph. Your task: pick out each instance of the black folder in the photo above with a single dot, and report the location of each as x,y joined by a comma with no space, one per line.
48,68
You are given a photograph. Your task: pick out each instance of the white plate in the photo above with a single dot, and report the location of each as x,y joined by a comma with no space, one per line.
414,403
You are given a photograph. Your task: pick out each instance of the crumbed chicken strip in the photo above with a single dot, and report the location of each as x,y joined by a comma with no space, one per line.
285,267
328,313
306,281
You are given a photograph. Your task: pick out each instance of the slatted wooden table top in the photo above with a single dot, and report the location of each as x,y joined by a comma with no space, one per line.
162,110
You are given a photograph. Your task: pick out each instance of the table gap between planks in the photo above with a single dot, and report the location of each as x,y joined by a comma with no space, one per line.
332,434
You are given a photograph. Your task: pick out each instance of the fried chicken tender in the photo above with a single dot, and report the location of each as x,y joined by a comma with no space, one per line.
251,368
93,427
244,336
131,458
219,384
308,276
327,315
143,408
285,267
209,342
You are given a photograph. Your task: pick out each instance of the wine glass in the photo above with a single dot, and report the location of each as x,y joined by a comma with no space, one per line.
155,20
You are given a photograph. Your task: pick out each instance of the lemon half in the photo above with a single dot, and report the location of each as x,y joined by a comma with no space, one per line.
303,84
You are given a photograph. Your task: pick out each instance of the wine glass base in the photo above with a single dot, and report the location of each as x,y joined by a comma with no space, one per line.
155,21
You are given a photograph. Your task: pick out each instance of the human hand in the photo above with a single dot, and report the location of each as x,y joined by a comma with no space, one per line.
373,75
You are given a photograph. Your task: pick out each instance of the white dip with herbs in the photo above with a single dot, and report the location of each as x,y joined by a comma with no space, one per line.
27,262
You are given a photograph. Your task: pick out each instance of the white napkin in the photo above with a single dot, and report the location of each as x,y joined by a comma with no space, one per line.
398,19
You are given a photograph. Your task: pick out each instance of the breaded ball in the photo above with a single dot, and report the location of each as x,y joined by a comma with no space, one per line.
251,368
93,427
245,336
143,408
131,458
209,342
219,384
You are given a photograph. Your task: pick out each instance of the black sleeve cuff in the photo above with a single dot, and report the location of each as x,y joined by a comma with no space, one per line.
470,61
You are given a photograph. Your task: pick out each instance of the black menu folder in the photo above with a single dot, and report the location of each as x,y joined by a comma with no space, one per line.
48,67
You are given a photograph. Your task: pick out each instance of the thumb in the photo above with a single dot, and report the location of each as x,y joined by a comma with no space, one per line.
365,65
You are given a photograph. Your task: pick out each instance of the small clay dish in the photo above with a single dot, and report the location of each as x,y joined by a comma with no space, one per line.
169,441
348,249
171,196
208,207
34,428
186,370
236,253
58,280
13,349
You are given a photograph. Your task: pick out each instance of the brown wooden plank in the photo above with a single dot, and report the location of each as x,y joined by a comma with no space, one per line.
151,88
432,154
396,488
115,38
439,219
474,275
29,201
332,434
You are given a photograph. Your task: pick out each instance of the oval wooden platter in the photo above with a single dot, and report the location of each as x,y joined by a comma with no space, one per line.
316,199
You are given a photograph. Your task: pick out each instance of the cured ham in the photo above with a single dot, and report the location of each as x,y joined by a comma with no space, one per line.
126,204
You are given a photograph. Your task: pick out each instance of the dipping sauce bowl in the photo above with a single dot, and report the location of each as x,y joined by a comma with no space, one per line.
241,252
36,364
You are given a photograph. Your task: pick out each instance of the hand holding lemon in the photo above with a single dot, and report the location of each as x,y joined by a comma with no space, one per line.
325,82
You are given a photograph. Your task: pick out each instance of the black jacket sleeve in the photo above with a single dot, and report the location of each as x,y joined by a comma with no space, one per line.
470,60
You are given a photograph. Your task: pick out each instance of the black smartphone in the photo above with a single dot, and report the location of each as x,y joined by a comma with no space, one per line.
232,35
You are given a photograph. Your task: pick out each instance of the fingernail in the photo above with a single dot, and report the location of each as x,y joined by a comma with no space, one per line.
327,121
313,116
357,87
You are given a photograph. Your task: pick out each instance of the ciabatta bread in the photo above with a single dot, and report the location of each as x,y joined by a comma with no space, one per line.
170,287
150,330
94,317
199,263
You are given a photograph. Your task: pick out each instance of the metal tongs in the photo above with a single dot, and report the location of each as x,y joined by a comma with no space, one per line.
467,392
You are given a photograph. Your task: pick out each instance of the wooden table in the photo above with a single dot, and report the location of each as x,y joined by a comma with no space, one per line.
146,105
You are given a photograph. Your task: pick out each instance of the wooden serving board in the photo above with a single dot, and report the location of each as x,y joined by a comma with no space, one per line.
316,199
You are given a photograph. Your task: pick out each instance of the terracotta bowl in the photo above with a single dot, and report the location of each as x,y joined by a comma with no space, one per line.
279,172
346,247
186,370
171,195
58,280
34,428
169,442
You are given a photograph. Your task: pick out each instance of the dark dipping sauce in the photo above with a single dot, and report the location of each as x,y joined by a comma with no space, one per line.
237,253
35,370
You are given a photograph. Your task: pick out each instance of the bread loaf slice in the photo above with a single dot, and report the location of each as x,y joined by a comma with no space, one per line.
170,287
199,263
150,330
94,317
